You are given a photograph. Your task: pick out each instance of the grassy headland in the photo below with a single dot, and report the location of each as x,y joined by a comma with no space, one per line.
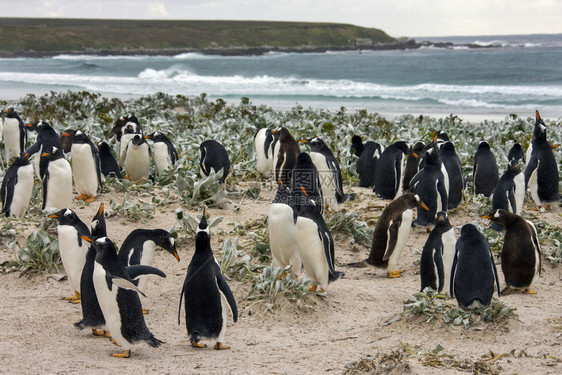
42,36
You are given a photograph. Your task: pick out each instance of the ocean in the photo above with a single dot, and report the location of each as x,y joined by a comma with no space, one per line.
514,74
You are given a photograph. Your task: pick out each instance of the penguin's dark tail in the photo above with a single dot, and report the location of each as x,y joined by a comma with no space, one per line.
80,325
335,276
154,342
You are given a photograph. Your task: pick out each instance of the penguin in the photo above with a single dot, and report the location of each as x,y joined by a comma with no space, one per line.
265,141
213,158
66,139
412,164
136,159
391,232
516,153
485,173
541,173
14,134
437,255
56,179
453,168
129,132
17,187
357,146
140,247
72,248
283,231
109,165
328,171
285,155
440,137
429,185
118,296
86,167
316,247
46,137
164,153
367,163
117,126
121,124
305,183
509,193
390,171
473,273
521,252
207,295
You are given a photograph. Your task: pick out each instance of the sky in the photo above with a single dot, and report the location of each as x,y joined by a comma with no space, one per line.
396,17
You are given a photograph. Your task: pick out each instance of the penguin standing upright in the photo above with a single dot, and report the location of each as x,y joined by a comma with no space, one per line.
509,192
357,145
328,171
118,298
521,252
391,233
473,273
453,166
56,179
207,295
108,163
412,164
285,155
390,171
283,231
128,132
136,159
213,158
316,247
541,173
305,183
14,134
17,186
164,153
516,153
485,173
72,248
437,255
429,185
86,167
367,163
46,137
66,140
119,128
265,141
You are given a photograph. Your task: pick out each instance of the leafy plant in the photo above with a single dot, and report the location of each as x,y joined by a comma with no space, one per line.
132,210
347,223
40,254
277,281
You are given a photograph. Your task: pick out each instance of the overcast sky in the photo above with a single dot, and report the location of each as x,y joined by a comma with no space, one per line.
396,17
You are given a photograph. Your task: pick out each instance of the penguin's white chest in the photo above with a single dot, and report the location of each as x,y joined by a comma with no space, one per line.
12,137
449,241
73,255
402,163
311,251
283,237
326,176
534,186
84,169
137,162
162,159
264,164
148,252
402,237
22,191
519,181
59,186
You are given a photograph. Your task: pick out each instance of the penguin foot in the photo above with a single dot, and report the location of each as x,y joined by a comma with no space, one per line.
282,276
115,342
89,199
529,291
75,297
107,334
197,344
220,346
123,354
81,197
507,290
395,274
76,301
98,332
313,288
144,311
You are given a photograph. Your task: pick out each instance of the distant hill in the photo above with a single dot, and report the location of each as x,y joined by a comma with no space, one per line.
49,36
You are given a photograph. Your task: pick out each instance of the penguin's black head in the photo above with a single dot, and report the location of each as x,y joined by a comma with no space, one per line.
442,135
21,160
129,129
52,153
165,240
103,245
441,216
356,140
432,155
80,137
138,140
402,146
97,225
468,230
513,167
483,145
418,202
418,149
103,147
283,133
10,112
65,217
448,146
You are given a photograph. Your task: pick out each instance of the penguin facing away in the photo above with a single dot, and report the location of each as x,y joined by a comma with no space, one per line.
453,166
207,295
118,296
66,140
391,232
412,164
285,155
136,159
521,253
264,141
485,173
164,153
516,153
17,187
14,134
390,171
357,145
367,163
108,163
213,158
473,273
305,183
509,192
56,179
86,167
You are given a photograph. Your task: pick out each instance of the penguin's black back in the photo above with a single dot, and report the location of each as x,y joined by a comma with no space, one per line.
389,169
9,183
367,163
214,155
287,156
108,163
305,183
485,170
543,160
135,242
357,146
160,137
412,164
453,166
431,257
516,153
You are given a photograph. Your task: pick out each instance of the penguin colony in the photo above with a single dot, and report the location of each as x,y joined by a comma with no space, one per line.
107,283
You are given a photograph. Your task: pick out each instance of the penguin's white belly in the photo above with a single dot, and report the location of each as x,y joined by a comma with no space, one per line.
11,138
519,181
137,162
162,160
326,177
72,255
449,241
403,233
445,178
59,186
283,237
263,165
22,191
438,197
148,252
312,251
537,249
402,163
84,169
276,150
534,186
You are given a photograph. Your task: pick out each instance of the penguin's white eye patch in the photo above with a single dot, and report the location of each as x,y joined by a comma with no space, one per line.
542,127
67,213
497,214
172,241
94,224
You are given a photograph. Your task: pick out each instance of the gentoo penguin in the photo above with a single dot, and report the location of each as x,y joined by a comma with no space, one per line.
485,173
207,295
509,192
316,247
391,233
285,155
108,163
72,248
367,163
46,137
118,298
521,253
213,158
283,231
328,171
357,146
473,273
14,134
17,186
390,171
412,164
56,179
140,247
136,159
305,183
164,153
453,166
516,153
66,139
541,173
265,141
86,167
429,185
437,255
119,128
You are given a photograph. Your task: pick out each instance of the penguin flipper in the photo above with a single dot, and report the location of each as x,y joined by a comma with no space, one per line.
392,238
45,183
7,191
137,270
530,169
495,272
97,161
123,155
453,269
33,149
225,290
328,246
125,284
511,199
438,261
